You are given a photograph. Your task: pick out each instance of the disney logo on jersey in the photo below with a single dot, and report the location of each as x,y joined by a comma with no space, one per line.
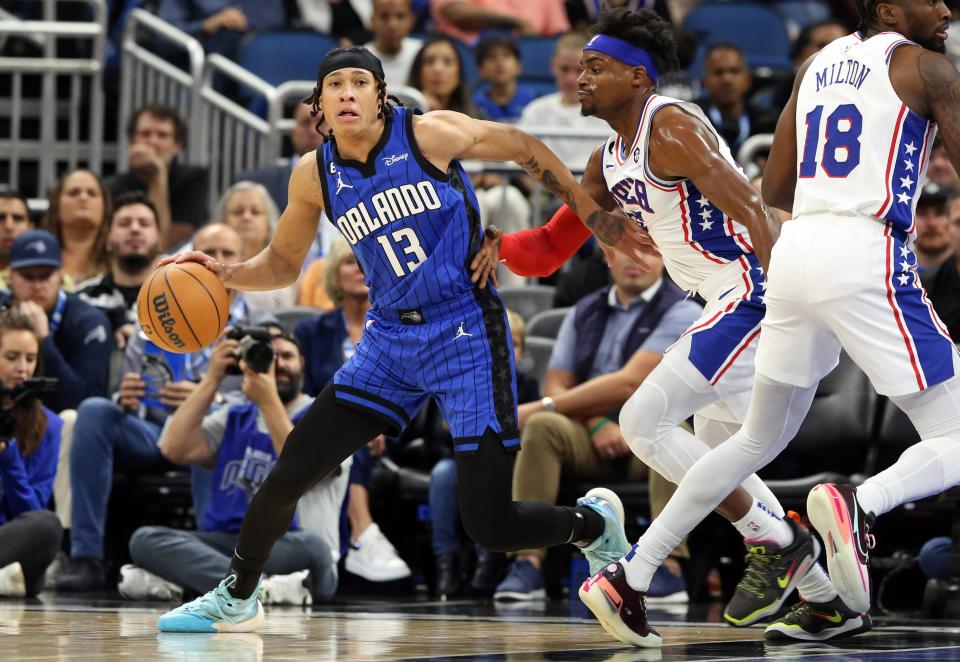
394,158
390,206
631,195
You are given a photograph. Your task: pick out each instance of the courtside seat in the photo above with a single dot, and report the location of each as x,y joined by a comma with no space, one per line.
278,57
895,434
546,324
528,300
535,54
288,317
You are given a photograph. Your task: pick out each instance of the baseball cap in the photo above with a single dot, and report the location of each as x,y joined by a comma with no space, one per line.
933,194
35,248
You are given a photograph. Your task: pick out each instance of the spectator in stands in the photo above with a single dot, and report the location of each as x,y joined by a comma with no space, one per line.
444,513
607,345
75,337
562,108
726,80
133,244
327,342
248,208
437,71
466,20
157,135
29,533
14,220
940,170
392,23
304,137
241,442
124,433
498,60
347,20
932,245
77,213
811,39
221,25
943,282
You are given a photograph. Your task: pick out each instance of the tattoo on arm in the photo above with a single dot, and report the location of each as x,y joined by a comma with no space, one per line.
942,85
551,184
608,228
531,166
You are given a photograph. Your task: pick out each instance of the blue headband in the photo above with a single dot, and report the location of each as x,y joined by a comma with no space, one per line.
626,53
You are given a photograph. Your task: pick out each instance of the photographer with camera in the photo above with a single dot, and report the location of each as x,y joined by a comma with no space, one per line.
241,443
29,443
124,432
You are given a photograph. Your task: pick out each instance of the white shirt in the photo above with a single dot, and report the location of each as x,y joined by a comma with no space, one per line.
396,68
550,111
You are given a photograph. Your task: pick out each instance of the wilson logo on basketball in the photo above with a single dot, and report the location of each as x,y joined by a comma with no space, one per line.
167,320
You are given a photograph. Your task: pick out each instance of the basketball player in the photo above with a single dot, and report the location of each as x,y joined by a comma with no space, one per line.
390,181
848,159
668,168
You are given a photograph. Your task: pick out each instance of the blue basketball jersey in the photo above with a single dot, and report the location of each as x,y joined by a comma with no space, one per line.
411,226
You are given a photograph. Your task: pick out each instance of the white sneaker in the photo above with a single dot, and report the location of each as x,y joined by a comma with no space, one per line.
374,558
12,583
286,589
139,584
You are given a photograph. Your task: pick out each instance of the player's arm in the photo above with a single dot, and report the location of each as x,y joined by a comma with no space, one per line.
444,136
278,265
540,251
681,145
780,174
940,83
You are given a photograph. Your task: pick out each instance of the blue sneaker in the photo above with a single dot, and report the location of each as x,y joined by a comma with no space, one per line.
217,611
667,588
523,583
610,546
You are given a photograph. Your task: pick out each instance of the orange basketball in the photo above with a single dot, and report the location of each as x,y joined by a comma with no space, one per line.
182,307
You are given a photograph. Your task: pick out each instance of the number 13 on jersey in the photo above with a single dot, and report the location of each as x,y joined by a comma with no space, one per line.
841,141
406,240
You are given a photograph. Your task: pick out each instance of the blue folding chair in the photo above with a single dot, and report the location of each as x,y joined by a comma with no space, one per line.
757,29
278,57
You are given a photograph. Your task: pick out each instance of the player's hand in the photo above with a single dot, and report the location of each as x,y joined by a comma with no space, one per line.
174,393
609,443
618,231
259,387
223,271
485,262
132,390
223,356
377,445
38,316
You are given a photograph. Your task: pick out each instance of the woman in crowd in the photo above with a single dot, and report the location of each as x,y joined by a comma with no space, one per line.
79,206
327,342
248,208
437,71
29,534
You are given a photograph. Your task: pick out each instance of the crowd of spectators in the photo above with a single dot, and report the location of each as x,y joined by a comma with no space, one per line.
123,406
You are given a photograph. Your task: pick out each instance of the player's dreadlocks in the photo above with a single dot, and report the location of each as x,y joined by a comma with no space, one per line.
643,29
387,102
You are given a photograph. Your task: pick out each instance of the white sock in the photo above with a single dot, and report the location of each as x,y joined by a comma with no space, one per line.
639,568
816,587
761,523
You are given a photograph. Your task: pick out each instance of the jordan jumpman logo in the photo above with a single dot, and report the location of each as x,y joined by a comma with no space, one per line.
461,333
340,184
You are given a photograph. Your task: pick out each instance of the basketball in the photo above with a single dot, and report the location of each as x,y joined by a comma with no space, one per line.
182,307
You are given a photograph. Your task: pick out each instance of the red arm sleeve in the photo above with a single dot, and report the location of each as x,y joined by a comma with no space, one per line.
541,251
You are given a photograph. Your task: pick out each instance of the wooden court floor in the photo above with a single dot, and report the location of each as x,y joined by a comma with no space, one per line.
113,632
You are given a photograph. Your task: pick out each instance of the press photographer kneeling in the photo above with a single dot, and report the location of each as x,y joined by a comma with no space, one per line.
29,444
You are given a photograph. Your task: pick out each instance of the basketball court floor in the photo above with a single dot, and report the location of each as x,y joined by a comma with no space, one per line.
65,629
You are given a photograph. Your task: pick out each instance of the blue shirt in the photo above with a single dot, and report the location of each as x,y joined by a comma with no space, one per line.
26,483
610,353
189,15
511,112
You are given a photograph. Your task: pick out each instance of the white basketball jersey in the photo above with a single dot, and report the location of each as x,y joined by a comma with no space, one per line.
695,238
860,149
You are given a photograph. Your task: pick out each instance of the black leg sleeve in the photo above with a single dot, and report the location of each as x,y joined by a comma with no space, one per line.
494,520
327,434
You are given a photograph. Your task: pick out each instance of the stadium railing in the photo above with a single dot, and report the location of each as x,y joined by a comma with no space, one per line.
76,106
160,64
